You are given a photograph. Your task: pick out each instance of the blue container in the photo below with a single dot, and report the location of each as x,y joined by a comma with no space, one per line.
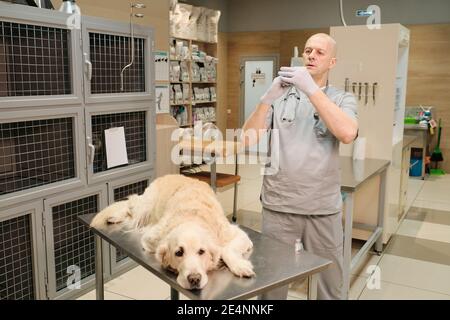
415,169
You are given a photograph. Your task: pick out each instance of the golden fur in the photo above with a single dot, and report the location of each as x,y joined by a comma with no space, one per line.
183,223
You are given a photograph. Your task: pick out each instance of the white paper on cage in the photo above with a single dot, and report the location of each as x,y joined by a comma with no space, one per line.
162,98
161,65
116,147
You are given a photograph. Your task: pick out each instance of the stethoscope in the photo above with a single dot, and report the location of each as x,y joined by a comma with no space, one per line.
288,114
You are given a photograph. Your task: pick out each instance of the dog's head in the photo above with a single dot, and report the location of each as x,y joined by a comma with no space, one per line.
191,251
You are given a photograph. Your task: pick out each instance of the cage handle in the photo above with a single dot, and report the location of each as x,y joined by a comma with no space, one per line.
92,148
89,65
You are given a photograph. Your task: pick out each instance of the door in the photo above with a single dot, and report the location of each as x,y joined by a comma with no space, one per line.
70,245
257,74
112,70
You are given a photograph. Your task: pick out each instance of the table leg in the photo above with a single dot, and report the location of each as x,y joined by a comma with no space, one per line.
347,245
213,175
174,294
99,285
236,172
312,286
381,205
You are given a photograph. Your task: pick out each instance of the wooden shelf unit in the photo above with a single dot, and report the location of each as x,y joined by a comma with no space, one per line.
211,49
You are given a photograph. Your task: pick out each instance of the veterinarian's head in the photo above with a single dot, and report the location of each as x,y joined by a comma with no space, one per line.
319,55
190,251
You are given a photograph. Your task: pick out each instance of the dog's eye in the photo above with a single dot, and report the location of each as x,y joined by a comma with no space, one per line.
179,252
201,251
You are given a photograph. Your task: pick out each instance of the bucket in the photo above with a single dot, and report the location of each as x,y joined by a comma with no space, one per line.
415,168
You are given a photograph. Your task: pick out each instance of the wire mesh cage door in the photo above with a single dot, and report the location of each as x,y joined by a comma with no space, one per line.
22,263
39,58
117,66
138,128
70,244
40,150
120,190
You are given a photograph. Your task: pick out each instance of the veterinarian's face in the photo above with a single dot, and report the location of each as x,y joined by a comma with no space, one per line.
319,54
188,251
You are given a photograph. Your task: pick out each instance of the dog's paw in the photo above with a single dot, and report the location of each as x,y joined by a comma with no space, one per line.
147,248
115,219
149,242
113,214
150,238
242,268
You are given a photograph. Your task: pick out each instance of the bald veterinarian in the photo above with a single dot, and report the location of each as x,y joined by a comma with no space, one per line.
302,198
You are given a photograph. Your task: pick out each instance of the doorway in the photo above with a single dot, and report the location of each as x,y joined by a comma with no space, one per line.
257,74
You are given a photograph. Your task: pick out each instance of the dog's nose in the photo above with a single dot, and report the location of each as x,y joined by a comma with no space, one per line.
194,279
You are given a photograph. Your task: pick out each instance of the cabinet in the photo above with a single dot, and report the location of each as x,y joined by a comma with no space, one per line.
408,146
193,81
61,88
404,177
165,127
379,85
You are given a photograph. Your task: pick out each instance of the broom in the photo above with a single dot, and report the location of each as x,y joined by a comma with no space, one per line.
436,156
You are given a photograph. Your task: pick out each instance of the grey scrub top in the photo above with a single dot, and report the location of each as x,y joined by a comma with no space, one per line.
303,176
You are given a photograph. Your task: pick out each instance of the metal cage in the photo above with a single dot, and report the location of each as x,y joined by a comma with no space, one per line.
52,141
39,150
135,125
70,244
38,63
119,190
109,54
34,60
16,259
22,267
107,49
137,121
122,193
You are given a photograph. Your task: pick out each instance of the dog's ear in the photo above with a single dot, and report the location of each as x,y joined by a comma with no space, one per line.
162,254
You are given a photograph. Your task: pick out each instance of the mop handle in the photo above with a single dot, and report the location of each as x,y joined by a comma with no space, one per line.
439,134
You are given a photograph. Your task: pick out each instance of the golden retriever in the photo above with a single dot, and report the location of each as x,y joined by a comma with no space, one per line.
183,223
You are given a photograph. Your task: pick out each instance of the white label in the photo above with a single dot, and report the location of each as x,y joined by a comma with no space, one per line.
116,148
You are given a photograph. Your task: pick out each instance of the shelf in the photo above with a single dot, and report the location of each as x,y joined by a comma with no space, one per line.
205,121
179,104
181,60
203,102
202,82
202,41
187,39
222,179
210,48
194,82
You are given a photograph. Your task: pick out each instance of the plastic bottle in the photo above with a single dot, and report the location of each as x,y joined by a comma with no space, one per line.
298,246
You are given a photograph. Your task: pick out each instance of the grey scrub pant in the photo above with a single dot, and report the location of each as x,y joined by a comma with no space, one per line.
321,235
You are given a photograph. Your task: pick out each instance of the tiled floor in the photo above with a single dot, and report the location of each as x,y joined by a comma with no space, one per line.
414,265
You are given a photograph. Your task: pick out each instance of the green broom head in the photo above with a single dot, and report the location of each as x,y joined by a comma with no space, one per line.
437,172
